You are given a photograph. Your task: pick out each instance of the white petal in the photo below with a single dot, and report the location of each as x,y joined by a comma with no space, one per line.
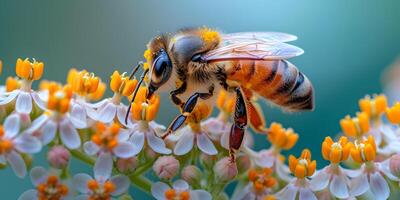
69,135
78,116
158,190
283,171
92,113
37,123
107,114
90,148
124,150
137,140
103,167
12,125
180,185
11,96
379,186
24,103
385,168
320,180
287,193
97,104
158,128
156,143
225,140
80,182
184,144
48,132
26,143
124,135
29,195
200,195
352,173
38,175
264,158
121,112
205,145
38,101
17,164
359,185
338,187
121,184
306,194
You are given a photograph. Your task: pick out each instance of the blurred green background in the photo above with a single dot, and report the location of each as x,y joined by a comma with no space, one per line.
347,45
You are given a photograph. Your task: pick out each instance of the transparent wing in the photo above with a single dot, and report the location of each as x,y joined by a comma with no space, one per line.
257,36
253,50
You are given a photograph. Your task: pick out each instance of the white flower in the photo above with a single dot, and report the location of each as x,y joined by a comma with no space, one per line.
187,139
334,177
102,184
23,100
216,128
298,187
385,134
107,110
48,124
51,187
12,144
179,189
144,132
369,177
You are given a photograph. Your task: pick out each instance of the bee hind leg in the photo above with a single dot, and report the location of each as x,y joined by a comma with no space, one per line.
187,108
239,126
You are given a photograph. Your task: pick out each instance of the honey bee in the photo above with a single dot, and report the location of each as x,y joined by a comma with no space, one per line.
194,64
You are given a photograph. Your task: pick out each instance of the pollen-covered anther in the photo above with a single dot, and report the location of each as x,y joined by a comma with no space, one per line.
121,84
12,84
282,138
356,126
172,194
375,106
225,102
52,188
336,152
261,179
303,166
364,150
59,100
106,137
100,191
29,70
145,109
393,113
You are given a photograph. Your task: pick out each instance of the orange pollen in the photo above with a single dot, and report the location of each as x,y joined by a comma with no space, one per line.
172,194
52,189
100,192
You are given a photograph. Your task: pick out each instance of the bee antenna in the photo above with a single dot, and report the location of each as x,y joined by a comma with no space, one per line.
134,94
140,64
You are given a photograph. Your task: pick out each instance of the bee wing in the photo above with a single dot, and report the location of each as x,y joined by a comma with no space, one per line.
252,50
258,36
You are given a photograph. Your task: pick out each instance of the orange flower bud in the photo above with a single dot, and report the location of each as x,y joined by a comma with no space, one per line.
364,151
356,126
143,109
29,71
336,151
303,166
12,84
282,138
373,107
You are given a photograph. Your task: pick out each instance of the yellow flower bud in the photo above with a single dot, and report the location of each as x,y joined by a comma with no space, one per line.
303,166
364,150
29,71
282,138
357,126
336,152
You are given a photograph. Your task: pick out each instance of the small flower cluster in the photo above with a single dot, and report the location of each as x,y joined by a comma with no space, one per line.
193,163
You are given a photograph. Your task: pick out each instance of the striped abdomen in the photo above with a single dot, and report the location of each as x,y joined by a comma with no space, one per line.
277,80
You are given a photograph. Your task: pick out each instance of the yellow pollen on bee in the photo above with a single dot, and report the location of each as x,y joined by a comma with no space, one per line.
52,189
210,36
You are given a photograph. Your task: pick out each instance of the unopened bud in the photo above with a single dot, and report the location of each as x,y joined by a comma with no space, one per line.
208,161
191,174
243,163
394,165
225,170
126,165
58,157
166,167
149,153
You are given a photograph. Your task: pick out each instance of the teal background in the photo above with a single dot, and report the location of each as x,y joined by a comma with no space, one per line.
347,45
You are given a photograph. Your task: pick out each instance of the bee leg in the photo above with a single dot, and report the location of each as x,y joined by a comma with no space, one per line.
186,110
176,100
239,126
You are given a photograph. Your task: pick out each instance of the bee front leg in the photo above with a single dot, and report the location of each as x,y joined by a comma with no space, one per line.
239,125
187,108
176,100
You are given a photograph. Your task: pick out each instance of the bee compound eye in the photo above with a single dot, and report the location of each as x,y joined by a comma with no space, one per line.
162,67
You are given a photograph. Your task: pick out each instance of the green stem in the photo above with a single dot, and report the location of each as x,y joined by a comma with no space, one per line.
82,157
143,169
142,182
